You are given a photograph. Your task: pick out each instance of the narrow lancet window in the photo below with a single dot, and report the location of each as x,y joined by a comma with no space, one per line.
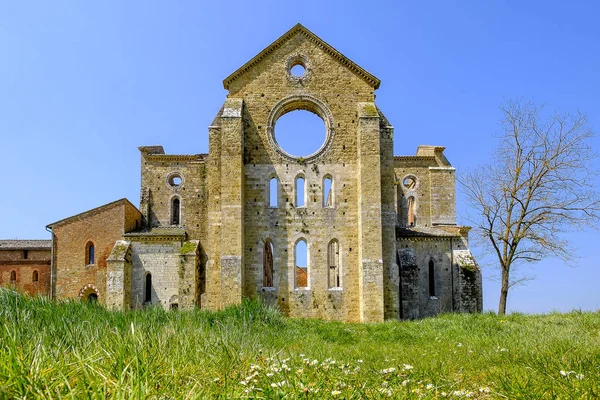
431,279
300,194
327,192
148,289
268,264
410,205
35,276
301,264
13,276
273,193
175,211
90,257
333,258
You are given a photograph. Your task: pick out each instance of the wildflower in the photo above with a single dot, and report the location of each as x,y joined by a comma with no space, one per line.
387,370
269,374
579,376
335,392
254,367
299,371
302,356
429,386
484,389
359,361
405,382
459,344
503,350
444,394
278,384
407,367
563,373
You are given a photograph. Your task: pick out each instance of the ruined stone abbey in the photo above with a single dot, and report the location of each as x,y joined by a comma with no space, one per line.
378,231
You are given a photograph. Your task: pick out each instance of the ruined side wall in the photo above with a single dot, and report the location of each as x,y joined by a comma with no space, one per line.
406,166
162,259
418,302
158,193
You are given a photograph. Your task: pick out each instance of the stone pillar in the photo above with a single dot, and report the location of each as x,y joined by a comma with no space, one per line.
369,215
188,274
232,202
118,277
211,299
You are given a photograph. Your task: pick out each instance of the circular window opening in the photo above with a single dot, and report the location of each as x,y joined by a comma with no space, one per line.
298,70
300,133
175,180
410,182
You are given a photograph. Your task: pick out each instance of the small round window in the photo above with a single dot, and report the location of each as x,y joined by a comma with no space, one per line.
174,180
298,70
409,182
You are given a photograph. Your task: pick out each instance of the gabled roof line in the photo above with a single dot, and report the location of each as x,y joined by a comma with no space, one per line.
92,211
299,28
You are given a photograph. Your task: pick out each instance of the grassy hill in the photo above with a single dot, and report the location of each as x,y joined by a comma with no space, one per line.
68,349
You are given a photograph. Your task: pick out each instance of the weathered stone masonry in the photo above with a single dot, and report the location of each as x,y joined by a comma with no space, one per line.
384,245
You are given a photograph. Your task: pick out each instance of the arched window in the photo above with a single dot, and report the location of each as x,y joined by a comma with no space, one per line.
431,278
410,205
333,261
301,263
175,211
273,193
89,253
300,193
35,276
268,264
148,289
13,276
327,192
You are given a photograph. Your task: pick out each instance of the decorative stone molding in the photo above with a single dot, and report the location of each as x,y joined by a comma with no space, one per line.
301,102
88,289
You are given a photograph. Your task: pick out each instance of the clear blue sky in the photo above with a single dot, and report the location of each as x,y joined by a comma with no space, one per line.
83,84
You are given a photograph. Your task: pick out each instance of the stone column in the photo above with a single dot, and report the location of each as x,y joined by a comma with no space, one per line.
369,215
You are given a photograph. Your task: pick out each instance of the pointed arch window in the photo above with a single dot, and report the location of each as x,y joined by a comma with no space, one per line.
148,288
327,191
35,276
301,263
13,276
273,193
333,261
300,192
268,264
175,211
90,256
431,279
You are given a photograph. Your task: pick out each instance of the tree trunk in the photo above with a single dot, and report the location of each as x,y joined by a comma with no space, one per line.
503,292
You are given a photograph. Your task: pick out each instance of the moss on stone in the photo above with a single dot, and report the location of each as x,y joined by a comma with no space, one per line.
187,247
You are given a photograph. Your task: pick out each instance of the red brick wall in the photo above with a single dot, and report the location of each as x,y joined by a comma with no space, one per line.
37,260
103,228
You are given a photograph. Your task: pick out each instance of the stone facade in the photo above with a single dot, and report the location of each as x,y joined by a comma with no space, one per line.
25,265
381,243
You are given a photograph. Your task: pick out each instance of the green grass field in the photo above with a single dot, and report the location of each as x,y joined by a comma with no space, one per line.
72,350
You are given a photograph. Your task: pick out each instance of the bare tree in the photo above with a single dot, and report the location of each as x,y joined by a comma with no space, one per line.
540,183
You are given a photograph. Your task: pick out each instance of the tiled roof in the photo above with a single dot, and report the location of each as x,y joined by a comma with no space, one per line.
423,232
158,231
35,244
